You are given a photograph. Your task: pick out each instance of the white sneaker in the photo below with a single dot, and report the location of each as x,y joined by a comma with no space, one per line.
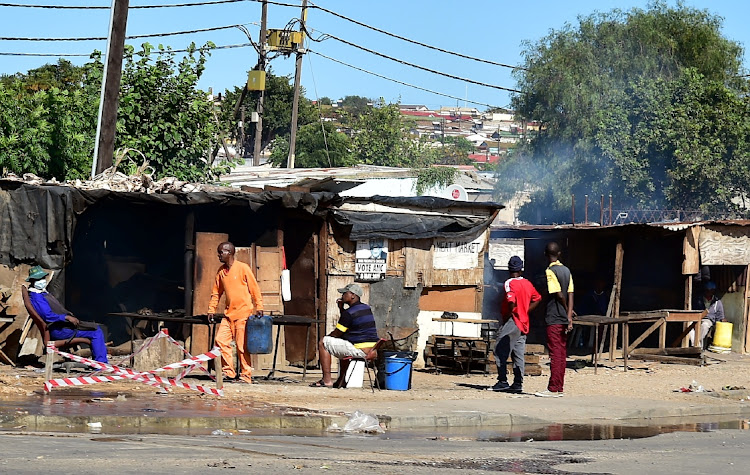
547,393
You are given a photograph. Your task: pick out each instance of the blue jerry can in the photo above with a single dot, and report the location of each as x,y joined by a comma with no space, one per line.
258,334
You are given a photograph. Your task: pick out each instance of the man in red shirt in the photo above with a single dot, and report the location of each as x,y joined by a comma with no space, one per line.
520,298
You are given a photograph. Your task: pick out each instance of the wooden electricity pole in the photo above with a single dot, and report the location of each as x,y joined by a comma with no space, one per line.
104,145
258,142
297,76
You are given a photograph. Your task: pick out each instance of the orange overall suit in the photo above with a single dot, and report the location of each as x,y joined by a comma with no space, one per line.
243,299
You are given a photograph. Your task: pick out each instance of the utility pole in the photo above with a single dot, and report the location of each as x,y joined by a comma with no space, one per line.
104,144
297,76
257,144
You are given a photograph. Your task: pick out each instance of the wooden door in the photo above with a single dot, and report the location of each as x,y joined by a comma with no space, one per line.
206,265
268,273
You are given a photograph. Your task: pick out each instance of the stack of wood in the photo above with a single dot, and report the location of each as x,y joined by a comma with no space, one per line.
472,354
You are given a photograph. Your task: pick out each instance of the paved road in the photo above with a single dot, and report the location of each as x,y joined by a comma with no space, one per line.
719,452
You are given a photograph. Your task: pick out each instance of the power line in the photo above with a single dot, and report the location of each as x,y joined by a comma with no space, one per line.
419,43
403,83
133,37
61,55
433,71
135,7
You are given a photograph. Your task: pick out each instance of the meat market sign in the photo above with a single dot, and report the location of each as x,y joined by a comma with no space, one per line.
461,253
370,260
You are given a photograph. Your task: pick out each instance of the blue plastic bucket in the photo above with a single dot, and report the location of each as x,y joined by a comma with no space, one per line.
258,331
398,373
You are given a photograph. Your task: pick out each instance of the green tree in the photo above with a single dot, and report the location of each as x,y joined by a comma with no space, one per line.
49,130
603,91
277,111
382,137
318,145
356,105
164,115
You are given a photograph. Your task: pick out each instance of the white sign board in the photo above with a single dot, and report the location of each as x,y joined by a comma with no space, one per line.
502,249
370,259
461,253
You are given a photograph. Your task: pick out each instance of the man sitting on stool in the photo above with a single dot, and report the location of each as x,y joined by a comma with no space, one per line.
715,308
354,332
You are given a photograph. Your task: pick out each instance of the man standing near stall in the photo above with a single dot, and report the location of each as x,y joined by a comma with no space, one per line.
559,319
520,298
236,280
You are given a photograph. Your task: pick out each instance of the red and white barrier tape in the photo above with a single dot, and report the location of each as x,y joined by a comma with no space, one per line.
119,372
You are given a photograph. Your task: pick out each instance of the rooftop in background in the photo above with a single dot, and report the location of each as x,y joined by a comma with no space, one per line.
357,181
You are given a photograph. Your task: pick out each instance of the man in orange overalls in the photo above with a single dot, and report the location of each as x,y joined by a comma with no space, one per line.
236,280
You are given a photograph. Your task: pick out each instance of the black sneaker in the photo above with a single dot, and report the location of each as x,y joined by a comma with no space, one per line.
515,389
500,386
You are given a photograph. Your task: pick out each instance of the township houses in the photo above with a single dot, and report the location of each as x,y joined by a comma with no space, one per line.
154,252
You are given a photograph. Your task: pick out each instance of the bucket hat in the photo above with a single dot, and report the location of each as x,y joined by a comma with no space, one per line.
36,272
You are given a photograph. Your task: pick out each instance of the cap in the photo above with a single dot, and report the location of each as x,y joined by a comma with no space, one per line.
353,288
515,264
36,272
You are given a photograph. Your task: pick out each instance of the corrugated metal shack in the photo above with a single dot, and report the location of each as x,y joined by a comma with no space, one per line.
135,251
663,266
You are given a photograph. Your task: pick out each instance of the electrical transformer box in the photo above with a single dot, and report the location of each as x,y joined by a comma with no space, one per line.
284,40
256,80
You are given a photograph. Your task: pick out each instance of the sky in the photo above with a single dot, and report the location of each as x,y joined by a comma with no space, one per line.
492,30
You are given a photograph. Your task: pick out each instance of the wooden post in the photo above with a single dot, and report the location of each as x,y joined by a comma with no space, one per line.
105,133
48,365
573,209
586,210
258,142
295,97
219,373
615,299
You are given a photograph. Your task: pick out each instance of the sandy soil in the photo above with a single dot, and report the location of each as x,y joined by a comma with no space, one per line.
645,380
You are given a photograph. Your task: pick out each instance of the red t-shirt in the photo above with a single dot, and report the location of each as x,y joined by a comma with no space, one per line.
521,292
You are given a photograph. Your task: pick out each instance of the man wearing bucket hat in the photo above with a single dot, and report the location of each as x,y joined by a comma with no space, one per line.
61,322
520,298
354,332
714,312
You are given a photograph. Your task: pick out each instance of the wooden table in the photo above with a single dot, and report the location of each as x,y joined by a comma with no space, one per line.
596,321
659,319
469,341
294,320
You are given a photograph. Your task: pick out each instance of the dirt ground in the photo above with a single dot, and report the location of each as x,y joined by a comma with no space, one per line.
644,380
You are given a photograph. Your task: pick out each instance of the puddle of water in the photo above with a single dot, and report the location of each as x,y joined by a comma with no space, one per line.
72,402
558,432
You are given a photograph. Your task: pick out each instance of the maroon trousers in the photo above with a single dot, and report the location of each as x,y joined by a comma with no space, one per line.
557,343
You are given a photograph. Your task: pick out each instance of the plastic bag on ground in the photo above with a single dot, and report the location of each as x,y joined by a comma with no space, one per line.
360,422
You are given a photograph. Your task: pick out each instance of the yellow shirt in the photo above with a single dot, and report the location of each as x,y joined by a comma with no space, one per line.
241,289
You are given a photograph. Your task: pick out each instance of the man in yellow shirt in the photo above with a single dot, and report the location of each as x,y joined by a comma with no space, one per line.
236,280
559,319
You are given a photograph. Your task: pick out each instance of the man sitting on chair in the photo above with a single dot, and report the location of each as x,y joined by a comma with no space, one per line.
60,322
354,333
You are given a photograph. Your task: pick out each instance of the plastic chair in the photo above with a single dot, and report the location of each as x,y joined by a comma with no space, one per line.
368,359
44,330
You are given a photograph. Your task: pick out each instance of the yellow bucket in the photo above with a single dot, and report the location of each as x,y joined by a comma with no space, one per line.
723,334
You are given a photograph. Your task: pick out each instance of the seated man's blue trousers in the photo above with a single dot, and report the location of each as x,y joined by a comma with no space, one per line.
98,345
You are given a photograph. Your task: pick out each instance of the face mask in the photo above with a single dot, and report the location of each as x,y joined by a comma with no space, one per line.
40,284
